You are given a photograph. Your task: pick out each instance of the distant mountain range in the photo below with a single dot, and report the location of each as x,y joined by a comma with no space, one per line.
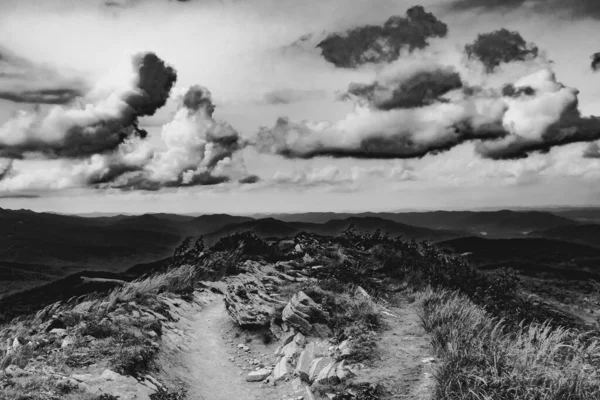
41,247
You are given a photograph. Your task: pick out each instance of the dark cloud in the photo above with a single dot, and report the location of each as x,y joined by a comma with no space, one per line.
289,96
417,90
198,97
499,47
382,43
42,96
250,179
569,8
18,196
401,144
596,61
81,132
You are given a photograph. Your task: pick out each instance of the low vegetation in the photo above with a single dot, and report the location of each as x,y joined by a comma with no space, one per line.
492,341
482,359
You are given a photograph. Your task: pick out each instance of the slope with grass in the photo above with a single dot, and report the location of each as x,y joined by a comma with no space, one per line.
324,317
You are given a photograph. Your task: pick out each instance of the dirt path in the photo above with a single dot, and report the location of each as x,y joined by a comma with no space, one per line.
404,366
208,360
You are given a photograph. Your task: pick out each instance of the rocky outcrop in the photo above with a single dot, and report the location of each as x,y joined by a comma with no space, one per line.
300,313
248,296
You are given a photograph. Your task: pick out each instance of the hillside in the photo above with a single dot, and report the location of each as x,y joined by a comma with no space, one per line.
535,257
319,320
271,227
504,223
588,234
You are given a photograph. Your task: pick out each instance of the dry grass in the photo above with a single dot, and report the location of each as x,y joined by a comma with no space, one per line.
481,360
178,280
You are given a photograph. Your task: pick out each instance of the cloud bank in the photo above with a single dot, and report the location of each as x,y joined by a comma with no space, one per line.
105,118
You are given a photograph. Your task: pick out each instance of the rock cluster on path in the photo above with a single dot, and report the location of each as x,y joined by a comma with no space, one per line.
248,297
305,355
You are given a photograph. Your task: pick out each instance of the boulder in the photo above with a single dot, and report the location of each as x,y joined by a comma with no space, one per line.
258,375
317,366
300,311
291,351
322,377
305,361
282,369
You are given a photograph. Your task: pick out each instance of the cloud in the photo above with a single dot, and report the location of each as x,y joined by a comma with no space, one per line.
596,61
408,88
547,118
108,116
570,8
290,96
334,176
23,81
533,114
375,44
592,151
198,150
500,47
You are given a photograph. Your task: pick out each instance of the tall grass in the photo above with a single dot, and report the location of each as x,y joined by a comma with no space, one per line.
480,359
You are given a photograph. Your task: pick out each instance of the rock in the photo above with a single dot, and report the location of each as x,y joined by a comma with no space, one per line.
300,311
16,343
342,372
321,330
291,351
332,378
259,375
345,349
323,376
298,248
287,338
307,258
296,384
282,369
304,362
300,339
317,366
59,332
243,347
113,384
309,394
247,298
67,341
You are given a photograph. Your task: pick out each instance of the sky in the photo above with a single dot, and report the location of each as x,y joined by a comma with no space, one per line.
207,106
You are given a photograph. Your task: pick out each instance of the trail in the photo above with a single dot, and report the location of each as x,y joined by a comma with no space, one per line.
206,355
405,365
216,378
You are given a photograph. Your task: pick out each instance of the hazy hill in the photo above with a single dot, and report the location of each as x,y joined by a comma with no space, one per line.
585,234
41,247
504,223
535,255
271,227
